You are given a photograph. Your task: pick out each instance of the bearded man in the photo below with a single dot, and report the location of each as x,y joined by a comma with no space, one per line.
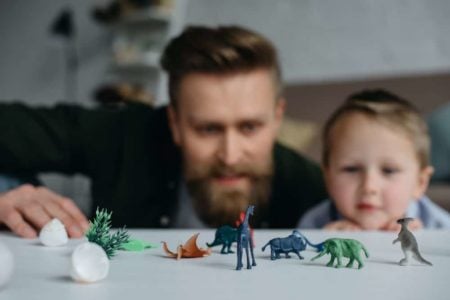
198,162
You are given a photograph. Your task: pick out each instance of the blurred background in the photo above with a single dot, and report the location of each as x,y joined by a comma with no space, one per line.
105,52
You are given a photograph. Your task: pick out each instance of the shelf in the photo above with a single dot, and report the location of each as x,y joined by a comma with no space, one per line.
137,41
134,66
149,59
151,16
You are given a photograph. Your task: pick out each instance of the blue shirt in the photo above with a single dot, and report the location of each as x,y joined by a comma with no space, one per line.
431,215
439,131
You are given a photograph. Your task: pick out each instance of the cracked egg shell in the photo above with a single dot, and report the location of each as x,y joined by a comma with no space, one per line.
53,234
89,263
6,265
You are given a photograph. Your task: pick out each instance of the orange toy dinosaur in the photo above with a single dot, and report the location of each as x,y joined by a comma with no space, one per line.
188,250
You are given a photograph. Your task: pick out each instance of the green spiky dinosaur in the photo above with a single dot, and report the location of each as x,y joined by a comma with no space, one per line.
339,248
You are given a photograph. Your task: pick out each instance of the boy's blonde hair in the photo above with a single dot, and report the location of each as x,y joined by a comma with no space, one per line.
386,108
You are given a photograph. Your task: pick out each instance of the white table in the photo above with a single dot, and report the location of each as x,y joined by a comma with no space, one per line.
43,273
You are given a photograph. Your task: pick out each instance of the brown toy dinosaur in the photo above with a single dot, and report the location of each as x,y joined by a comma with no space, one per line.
188,250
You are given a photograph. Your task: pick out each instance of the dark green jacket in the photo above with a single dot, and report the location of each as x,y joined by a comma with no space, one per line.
132,161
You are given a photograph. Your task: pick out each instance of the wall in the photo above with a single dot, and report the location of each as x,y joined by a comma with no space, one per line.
335,40
32,60
323,40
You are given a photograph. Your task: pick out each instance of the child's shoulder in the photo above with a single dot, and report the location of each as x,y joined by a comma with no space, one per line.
317,216
432,215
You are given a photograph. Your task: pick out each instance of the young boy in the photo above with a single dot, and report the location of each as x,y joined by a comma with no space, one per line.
375,163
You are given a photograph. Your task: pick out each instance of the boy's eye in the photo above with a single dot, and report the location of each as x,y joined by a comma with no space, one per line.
389,171
350,169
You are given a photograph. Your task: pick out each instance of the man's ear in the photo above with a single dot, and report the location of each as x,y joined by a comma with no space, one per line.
280,107
174,124
423,181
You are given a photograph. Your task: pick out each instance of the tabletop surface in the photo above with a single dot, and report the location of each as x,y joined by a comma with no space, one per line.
43,273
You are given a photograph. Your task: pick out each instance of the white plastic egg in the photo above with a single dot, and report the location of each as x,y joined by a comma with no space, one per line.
89,263
6,265
53,234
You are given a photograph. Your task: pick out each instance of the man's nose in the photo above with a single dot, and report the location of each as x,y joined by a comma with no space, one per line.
230,151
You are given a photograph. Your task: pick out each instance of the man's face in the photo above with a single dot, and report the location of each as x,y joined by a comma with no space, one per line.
226,127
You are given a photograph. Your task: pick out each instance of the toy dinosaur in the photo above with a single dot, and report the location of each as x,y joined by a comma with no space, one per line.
408,243
137,245
188,250
239,222
339,248
245,241
225,236
295,242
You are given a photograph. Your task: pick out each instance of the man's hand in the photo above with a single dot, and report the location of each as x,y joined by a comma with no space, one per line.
342,225
26,209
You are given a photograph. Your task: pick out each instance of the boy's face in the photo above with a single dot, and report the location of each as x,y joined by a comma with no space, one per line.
373,172
226,126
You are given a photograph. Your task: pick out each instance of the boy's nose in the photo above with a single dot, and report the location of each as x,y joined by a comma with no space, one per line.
369,183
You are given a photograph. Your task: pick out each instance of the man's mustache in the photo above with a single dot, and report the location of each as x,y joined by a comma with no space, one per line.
238,171
220,170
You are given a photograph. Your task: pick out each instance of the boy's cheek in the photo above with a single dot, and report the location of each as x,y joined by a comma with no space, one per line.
344,190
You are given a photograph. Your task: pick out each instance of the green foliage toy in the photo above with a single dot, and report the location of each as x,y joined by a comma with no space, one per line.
339,248
98,233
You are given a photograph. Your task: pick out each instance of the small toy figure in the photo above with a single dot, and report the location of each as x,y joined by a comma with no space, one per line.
226,236
188,250
295,242
239,222
245,241
137,245
408,243
339,248
98,233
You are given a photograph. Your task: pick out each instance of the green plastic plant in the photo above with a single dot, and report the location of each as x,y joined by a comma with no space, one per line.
98,233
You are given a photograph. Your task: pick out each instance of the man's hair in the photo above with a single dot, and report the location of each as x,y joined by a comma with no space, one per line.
222,50
388,109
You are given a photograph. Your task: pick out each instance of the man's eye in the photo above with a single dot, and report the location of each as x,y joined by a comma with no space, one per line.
249,128
208,129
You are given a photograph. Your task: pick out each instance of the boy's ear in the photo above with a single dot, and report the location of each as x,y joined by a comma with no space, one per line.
424,180
173,123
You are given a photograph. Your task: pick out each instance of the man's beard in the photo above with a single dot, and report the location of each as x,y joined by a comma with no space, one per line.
217,206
